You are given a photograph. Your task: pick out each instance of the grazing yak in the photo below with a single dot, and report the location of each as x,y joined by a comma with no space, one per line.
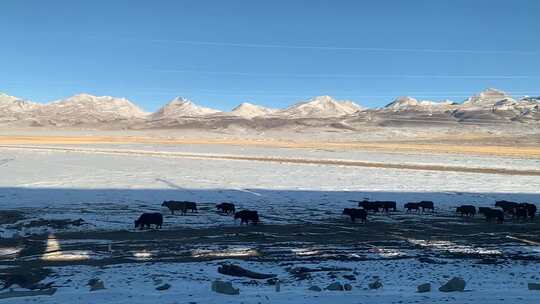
246,216
375,206
183,206
466,210
147,219
412,206
507,206
490,214
227,208
370,206
520,212
422,204
356,214
387,205
531,209
426,205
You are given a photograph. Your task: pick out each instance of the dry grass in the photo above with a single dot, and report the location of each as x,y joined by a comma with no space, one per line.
433,146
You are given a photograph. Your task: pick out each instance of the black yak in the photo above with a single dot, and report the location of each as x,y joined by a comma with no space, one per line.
356,214
507,206
147,219
426,205
490,214
530,209
387,205
412,206
375,206
183,206
227,208
467,210
369,206
521,212
246,216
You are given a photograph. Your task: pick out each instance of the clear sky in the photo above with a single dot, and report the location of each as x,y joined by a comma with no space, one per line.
274,53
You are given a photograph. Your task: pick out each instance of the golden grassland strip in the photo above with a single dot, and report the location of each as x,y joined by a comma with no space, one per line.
307,161
496,150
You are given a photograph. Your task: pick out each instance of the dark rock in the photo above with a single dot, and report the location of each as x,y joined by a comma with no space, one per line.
455,284
424,287
237,271
224,288
533,286
315,288
375,285
163,287
96,284
336,286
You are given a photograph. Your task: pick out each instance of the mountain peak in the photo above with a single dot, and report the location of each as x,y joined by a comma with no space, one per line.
102,107
321,106
182,107
249,110
488,96
406,103
7,98
180,100
15,104
322,98
402,102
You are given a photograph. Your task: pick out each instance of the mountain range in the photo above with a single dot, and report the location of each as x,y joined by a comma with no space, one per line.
490,106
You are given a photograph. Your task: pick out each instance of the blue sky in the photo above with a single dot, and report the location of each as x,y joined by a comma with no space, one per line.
274,53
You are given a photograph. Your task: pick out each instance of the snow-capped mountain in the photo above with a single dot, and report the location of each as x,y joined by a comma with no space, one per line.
321,106
11,104
487,97
182,107
85,106
248,110
490,106
409,103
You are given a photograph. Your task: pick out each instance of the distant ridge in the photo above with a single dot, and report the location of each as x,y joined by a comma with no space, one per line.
490,106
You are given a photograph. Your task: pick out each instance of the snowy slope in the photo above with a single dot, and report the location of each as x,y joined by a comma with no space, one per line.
409,103
85,107
182,107
321,106
249,110
487,97
13,108
492,105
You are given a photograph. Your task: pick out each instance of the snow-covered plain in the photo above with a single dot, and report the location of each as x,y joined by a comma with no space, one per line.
108,191
113,189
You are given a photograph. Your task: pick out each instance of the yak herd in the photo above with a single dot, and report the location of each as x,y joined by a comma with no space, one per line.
515,210
148,219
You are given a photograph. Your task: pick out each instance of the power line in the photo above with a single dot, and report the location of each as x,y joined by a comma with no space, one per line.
419,76
336,48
